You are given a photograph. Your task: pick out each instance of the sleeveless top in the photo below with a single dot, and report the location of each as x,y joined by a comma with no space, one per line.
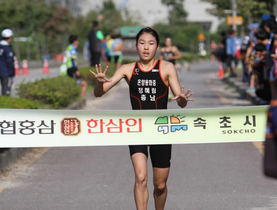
167,54
147,88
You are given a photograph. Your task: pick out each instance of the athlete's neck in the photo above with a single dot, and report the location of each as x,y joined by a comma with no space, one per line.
147,65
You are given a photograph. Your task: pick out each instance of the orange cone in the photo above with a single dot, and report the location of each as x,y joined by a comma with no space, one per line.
220,71
16,67
25,67
45,67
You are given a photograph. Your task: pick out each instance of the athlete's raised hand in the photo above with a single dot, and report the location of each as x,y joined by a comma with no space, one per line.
99,75
183,97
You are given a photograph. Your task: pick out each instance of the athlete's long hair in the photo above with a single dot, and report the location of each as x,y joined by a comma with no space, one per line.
150,31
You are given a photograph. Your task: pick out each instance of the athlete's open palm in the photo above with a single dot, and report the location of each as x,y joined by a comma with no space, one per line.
99,75
185,95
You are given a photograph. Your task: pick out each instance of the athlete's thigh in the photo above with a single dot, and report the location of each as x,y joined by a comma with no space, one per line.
139,155
160,155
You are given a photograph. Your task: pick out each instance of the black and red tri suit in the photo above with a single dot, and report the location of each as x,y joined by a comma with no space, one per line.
149,91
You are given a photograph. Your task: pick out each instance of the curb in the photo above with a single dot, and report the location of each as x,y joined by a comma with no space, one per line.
10,155
241,89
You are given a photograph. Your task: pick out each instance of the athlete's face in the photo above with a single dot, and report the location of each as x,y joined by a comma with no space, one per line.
147,46
168,42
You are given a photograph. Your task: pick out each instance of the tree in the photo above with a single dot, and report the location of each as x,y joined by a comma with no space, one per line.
250,10
25,18
177,14
185,37
56,27
112,17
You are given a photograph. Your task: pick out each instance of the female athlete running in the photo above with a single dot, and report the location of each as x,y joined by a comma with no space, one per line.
149,80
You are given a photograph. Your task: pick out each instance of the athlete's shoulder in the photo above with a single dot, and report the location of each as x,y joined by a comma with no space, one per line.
166,64
174,48
127,67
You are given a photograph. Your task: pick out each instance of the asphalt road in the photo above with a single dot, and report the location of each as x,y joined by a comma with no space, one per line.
203,176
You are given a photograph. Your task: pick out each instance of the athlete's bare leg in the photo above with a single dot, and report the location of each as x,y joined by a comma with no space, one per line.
160,176
84,85
141,194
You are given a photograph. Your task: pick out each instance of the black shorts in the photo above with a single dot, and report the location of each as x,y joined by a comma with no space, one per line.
231,58
160,154
72,72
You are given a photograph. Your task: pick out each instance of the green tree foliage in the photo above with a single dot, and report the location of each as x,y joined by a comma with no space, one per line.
112,19
250,10
177,14
57,25
183,34
185,37
30,17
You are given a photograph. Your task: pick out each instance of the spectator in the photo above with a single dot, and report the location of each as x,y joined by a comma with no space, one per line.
265,38
270,146
70,60
221,51
95,38
243,51
7,70
213,49
231,54
116,51
263,88
250,76
104,49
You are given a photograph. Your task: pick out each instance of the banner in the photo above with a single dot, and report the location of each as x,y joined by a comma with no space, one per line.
56,128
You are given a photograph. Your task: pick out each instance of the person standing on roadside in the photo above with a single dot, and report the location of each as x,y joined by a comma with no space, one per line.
213,49
95,38
231,53
7,70
163,74
117,50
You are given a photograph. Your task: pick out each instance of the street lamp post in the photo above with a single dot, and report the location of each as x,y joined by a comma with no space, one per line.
234,13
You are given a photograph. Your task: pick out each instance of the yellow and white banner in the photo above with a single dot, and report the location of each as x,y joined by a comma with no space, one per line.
56,128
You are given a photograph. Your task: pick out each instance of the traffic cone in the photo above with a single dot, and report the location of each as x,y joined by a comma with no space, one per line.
45,67
16,67
25,67
220,71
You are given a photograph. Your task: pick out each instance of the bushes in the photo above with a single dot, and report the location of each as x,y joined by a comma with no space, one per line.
17,103
57,92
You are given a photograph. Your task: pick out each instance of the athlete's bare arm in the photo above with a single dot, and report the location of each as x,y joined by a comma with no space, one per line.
170,76
103,84
176,52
